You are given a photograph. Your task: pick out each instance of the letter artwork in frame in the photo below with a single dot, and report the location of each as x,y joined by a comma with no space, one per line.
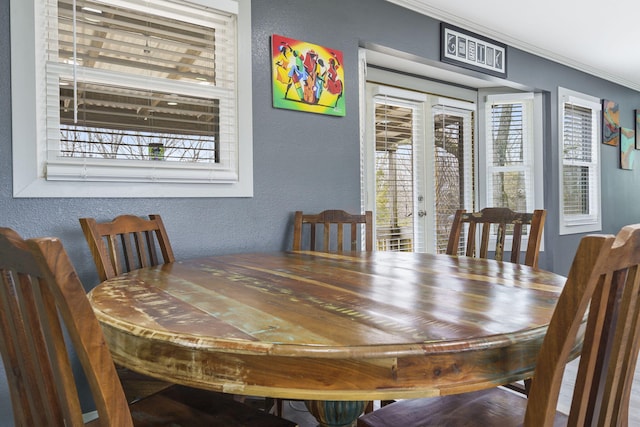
472,51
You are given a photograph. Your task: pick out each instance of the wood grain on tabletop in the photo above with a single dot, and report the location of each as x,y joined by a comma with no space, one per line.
328,326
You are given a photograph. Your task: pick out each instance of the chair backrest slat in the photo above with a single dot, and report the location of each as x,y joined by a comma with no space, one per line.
603,282
516,242
500,218
30,379
333,223
42,298
127,243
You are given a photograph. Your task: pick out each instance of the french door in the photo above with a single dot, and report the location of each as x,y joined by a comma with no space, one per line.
418,166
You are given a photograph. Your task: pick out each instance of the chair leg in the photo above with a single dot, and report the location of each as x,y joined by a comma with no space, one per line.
369,407
274,405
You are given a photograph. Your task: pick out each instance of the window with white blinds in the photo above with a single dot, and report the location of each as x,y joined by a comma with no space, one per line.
513,155
139,91
580,168
509,154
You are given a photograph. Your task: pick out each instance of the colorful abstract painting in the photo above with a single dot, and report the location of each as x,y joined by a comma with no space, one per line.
307,77
610,122
637,129
627,145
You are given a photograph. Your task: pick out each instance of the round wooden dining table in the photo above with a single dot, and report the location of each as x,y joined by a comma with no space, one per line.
330,327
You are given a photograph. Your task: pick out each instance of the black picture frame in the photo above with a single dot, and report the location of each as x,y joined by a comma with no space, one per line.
472,51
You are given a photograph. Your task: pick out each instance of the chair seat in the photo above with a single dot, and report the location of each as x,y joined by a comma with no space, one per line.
179,406
494,407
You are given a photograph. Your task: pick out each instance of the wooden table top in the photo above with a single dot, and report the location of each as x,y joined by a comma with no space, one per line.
312,325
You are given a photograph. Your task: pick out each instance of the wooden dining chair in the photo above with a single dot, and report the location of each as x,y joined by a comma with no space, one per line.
127,243
605,280
333,224
501,219
119,246
41,301
480,224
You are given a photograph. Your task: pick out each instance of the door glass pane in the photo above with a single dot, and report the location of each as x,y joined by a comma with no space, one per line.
451,179
394,139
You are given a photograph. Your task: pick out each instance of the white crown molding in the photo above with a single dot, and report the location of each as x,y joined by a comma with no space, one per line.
442,15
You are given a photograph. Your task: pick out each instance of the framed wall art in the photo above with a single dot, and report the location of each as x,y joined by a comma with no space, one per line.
610,122
627,146
307,77
637,115
472,51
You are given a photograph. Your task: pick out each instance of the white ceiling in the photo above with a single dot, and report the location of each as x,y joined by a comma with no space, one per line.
600,38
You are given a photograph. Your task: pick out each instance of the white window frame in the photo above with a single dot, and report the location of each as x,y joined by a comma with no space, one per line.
533,155
29,131
572,224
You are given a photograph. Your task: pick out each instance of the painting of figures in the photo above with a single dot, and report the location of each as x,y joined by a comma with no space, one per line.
307,77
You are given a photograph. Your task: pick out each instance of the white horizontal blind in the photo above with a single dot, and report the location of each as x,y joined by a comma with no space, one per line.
454,168
510,155
145,83
577,159
580,170
395,147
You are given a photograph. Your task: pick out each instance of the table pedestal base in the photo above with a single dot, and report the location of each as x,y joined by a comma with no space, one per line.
335,413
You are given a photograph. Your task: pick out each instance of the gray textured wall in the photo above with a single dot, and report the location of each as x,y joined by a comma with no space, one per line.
308,161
